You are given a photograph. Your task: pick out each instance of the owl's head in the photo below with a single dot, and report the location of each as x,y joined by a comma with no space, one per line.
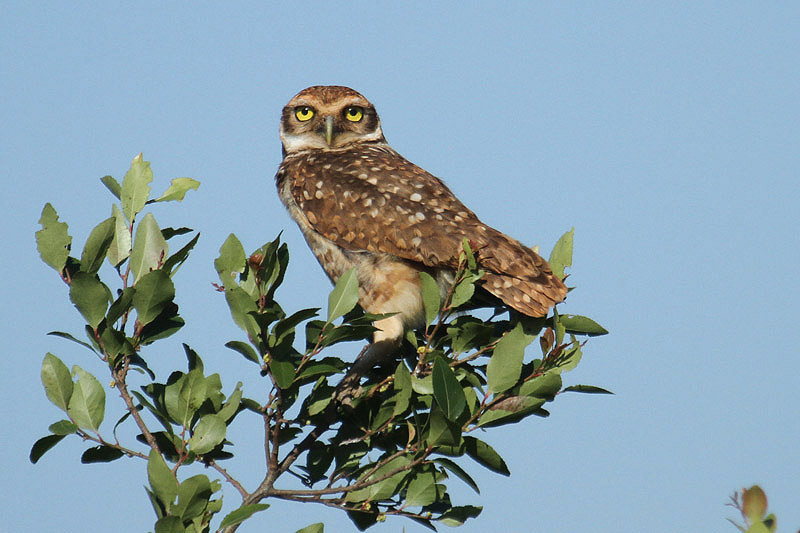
328,117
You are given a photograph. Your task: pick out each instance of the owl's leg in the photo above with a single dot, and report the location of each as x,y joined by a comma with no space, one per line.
385,342
387,285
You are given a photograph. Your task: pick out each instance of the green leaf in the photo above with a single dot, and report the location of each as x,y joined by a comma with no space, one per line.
161,478
505,366
287,325
464,291
169,524
560,331
431,297
581,325
344,296
326,366
469,254
164,325
174,262
546,386
53,241
319,399
276,278
485,455
90,296
283,371
193,497
245,349
63,427
342,333
67,336
231,261
453,467
194,361
422,490
403,389
120,248
57,381
570,358
242,309
318,460
150,249
158,413
208,433
42,446
241,514
441,430
153,292
469,332
510,410
213,507
120,306
363,520
587,389
447,390
112,185
231,407
100,454
94,251
157,506
456,516
185,396
115,343
169,233
422,385
135,187
383,489
178,189
561,256
319,527
88,402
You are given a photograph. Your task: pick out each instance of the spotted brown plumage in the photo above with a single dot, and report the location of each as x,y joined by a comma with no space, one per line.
361,204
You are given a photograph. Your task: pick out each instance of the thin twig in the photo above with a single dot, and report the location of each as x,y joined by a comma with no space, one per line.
230,479
100,440
338,504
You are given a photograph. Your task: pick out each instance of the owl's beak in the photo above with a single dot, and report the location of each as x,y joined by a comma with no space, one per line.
329,130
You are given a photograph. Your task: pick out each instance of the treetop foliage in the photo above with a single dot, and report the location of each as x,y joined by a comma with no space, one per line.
392,451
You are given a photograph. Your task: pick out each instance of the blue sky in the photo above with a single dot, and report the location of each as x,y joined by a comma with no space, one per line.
668,136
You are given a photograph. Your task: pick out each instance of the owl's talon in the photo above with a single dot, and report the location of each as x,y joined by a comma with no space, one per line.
348,389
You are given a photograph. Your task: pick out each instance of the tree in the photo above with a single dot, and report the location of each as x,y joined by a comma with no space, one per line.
390,451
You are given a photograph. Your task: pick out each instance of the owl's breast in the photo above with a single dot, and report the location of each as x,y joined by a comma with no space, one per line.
334,259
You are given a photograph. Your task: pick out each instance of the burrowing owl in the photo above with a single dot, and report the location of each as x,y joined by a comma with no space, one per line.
361,204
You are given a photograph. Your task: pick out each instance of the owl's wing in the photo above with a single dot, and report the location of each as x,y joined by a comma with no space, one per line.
372,199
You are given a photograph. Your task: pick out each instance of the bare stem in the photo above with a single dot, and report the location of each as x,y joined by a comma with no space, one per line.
230,479
119,376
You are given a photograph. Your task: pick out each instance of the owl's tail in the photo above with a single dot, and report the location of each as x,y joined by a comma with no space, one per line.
520,277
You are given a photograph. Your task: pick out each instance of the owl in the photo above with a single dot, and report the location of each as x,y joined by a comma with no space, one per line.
360,204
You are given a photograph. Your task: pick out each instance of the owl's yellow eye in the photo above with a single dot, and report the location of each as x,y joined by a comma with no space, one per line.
303,113
354,114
